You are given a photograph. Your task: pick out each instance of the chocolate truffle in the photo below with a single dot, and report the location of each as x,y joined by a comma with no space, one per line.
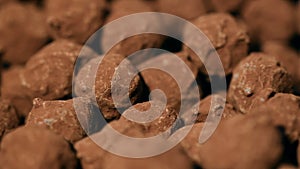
270,19
8,117
247,144
35,148
58,116
204,106
284,110
75,20
20,36
151,117
121,8
13,91
287,57
102,84
226,6
169,84
48,74
255,79
188,9
227,36
93,157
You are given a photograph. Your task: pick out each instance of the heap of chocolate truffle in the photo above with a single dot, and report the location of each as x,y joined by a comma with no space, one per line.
46,116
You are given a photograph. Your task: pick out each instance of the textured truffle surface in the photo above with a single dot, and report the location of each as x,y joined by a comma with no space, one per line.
48,74
58,116
255,79
228,38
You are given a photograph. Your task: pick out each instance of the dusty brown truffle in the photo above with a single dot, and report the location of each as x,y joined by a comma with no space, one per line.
227,36
35,148
101,84
164,119
284,110
241,148
256,78
169,83
135,43
121,8
188,9
20,36
270,22
226,6
48,74
93,157
13,91
200,114
8,117
287,57
76,20
58,116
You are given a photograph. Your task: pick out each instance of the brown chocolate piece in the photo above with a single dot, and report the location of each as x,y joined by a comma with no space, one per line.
284,110
199,115
35,148
135,43
120,8
20,36
158,79
8,117
240,149
108,67
13,91
48,74
226,6
58,116
188,9
103,83
75,20
93,157
227,36
270,22
255,79
287,57
144,112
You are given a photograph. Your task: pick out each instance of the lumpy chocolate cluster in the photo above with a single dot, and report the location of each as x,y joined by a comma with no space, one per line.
55,114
